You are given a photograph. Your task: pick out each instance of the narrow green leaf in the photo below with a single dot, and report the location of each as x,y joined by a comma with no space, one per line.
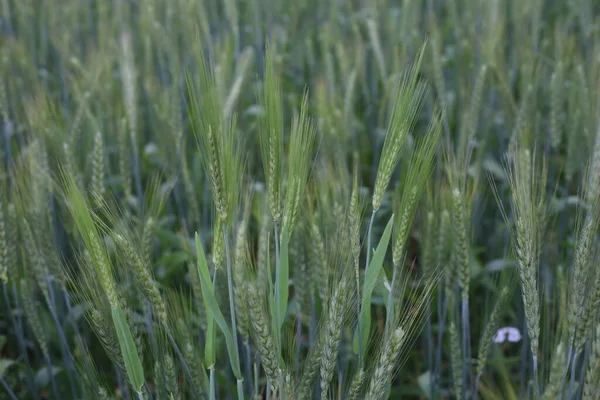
211,302
371,278
133,364
209,345
202,265
284,276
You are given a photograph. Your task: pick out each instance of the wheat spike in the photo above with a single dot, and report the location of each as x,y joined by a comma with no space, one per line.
332,337
385,366
262,335
98,188
144,278
356,385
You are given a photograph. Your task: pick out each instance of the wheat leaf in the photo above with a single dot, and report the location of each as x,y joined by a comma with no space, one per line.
371,278
213,309
202,265
133,364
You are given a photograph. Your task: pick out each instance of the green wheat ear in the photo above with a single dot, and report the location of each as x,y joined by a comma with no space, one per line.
302,140
98,187
581,311
262,335
87,228
356,385
271,134
456,357
215,135
527,181
241,270
385,366
557,371
143,276
419,171
409,99
32,315
333,334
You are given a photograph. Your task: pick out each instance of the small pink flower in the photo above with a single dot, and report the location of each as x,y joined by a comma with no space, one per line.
508,333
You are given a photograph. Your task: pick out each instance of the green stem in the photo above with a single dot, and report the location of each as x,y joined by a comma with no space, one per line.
535,376
390,314
11,394
277,277
66,352
569,356
212,395
442,310
240,389
298,344
369,240
137,176
429,344
51,376
465,342
231,298
573,370
248,372
281,386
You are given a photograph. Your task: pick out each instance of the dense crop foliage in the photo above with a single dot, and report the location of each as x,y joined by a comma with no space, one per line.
299,199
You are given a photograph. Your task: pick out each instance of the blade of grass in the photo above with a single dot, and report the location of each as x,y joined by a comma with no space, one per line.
214,310
369,284
133,364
